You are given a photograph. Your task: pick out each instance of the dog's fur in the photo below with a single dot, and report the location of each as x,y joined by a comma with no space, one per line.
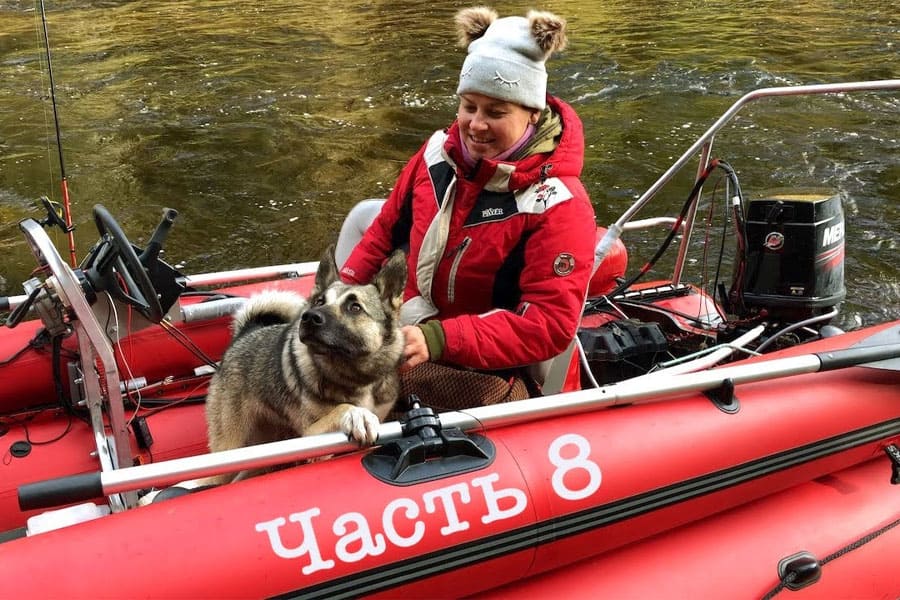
298,367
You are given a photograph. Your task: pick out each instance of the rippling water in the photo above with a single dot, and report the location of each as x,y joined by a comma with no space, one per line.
262,123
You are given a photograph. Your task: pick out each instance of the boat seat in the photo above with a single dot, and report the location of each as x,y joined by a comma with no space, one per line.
552,373
175,491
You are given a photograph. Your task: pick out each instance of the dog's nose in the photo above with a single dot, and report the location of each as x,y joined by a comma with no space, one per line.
312,317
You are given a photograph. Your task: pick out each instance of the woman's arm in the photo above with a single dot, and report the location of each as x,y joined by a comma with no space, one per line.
558,264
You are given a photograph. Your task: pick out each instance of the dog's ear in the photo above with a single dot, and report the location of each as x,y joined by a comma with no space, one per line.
391,279
327,272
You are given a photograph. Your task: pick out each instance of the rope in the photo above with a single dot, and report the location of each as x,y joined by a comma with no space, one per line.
791,576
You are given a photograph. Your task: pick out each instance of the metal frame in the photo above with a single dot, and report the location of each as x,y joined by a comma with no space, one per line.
99,374
703,145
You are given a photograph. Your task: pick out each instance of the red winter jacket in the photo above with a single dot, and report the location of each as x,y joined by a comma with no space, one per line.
512,280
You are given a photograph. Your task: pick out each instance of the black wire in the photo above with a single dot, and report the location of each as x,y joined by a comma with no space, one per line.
701,179
740,226
671,311
712,206
64,400
180,337
672,232
24,421
715,282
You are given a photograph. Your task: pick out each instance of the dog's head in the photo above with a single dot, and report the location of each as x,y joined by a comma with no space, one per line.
356,321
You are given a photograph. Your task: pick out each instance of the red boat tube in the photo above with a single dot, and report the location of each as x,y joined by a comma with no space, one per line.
548,494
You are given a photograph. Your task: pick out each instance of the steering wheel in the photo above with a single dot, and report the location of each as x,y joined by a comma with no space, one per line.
117,269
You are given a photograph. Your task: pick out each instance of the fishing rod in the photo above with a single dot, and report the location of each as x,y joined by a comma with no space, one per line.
64,183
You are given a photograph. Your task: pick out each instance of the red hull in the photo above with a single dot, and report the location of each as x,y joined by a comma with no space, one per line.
559,491
737,552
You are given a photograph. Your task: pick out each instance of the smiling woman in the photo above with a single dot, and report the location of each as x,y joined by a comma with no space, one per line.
263,123
498,226
492,128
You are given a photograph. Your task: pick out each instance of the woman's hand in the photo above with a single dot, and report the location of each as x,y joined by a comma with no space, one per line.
416,350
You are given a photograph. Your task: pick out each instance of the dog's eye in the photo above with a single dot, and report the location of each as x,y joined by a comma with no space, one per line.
354,307
320,301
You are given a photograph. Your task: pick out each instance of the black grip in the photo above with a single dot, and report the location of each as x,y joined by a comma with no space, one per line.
848,357
59,491
4,303
159,236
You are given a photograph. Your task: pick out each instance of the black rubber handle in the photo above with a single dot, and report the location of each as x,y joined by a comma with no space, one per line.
848,357
59,491
159,236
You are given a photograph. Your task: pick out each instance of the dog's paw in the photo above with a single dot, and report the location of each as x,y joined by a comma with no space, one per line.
360,424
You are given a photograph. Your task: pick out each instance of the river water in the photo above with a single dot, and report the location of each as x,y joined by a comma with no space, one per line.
262,123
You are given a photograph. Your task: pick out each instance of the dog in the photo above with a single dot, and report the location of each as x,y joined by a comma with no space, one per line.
297,367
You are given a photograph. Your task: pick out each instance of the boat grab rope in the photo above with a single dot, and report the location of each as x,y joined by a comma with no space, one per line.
792,575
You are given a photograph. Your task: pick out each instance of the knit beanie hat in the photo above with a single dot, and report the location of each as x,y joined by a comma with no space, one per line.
506,56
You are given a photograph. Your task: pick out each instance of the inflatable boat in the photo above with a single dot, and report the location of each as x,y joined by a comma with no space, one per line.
688,444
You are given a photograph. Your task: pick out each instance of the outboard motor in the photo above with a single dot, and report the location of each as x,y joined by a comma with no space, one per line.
794,255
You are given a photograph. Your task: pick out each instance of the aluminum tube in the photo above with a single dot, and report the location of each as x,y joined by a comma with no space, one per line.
222,277
482,417
212,309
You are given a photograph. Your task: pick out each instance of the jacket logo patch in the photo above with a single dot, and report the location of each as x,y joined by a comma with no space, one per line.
545,193
564,264
491,212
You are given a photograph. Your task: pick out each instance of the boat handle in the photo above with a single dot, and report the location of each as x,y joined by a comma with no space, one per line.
60,491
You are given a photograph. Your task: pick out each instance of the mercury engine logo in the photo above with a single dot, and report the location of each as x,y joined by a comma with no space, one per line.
774,241
832,234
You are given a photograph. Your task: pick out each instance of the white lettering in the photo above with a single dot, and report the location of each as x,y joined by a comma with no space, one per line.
445,495
565,465
387,522
492,212
309,546
369,545
832,234
492,498
575,476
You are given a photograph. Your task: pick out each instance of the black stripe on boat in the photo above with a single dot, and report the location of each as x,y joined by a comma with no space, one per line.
545,532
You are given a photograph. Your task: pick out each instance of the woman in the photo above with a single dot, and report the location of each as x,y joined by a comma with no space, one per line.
499,228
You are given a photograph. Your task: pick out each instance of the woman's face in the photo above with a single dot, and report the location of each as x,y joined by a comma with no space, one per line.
490,126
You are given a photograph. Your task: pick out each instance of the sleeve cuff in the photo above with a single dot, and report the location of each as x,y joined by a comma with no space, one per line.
434,338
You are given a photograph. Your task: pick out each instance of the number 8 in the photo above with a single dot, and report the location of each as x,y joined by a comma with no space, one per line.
564,465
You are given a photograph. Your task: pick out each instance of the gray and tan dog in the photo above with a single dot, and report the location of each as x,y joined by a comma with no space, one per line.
298,367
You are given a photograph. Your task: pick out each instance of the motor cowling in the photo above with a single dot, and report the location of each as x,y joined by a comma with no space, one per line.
794,264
